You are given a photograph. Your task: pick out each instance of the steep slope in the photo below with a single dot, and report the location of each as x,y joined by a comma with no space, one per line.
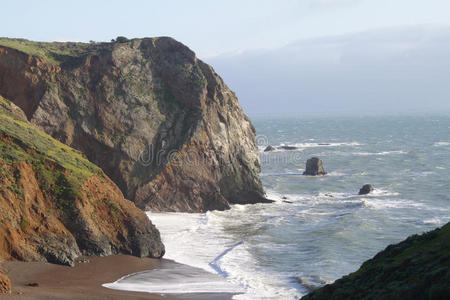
417,268
55,205
160,122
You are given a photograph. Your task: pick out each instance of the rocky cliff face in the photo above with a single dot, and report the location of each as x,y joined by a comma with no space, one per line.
159,122
55,205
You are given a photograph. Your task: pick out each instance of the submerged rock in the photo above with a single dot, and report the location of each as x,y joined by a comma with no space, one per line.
158,121
366,189
269,148
314,167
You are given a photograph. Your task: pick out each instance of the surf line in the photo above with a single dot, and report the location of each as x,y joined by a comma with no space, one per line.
213,264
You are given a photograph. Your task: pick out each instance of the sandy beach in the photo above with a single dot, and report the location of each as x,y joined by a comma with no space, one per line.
84,281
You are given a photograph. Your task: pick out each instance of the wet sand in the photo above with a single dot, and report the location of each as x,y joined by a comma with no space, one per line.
84,281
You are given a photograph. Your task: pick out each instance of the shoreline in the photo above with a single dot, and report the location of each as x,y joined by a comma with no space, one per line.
85,279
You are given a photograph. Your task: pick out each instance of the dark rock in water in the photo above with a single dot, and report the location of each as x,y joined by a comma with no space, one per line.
288,147
314,167
285,201
324,144
269,148
284,197
366,189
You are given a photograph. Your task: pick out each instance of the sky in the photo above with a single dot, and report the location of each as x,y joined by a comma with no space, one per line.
331,53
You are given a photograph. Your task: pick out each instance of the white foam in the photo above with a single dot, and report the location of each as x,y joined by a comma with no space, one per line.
382,153
174,279
184,233
199,240
433,221
379,204
335,173
302,146
326,144
440,144
381,192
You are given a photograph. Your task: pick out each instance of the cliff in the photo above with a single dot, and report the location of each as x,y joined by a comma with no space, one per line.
55,205
158,121
417,268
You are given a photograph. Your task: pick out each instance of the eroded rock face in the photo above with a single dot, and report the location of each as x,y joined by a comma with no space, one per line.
55,205
159,122
314,167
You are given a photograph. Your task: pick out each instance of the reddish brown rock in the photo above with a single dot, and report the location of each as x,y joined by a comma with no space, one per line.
5,284
55,205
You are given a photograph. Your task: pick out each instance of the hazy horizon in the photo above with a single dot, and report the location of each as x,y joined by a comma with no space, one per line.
402,70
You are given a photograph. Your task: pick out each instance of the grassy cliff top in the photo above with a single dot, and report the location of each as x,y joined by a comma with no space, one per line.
417,268
45,148
54,52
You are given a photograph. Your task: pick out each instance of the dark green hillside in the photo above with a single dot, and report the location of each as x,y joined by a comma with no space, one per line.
417,268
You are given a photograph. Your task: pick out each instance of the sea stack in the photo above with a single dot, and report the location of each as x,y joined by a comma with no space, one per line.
314,167
366,189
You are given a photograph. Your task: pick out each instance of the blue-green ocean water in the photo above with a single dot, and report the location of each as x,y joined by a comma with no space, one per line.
333,230
325,230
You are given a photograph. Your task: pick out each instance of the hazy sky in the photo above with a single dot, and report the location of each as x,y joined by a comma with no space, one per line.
394,70
212,27
281,57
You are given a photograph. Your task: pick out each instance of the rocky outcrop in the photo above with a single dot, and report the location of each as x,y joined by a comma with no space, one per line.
55,205
269,148
5,284
158,121
366,189
314,167
417,268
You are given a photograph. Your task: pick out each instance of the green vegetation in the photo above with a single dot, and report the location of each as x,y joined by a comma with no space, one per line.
54,52
417,268
65,193
24,224
60,169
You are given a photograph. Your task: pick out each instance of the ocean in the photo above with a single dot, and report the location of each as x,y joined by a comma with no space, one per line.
319,228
